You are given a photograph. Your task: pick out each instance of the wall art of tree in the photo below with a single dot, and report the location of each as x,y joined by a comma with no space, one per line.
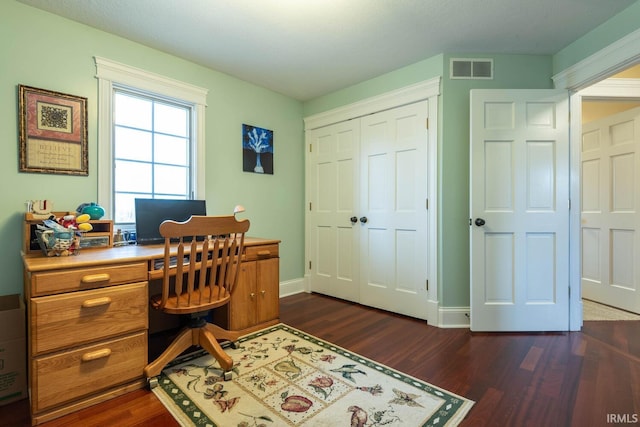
257,149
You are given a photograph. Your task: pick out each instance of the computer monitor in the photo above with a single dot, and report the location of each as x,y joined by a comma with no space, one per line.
150,213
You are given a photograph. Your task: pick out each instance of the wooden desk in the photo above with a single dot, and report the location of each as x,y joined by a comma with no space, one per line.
88,320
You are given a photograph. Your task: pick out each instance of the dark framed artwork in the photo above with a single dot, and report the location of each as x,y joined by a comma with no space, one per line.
53,132
257,149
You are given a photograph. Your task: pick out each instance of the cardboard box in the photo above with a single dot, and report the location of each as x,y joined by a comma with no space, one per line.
13,359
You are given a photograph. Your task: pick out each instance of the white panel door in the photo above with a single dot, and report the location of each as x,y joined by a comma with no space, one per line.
333,186
610,215
393,218
520,210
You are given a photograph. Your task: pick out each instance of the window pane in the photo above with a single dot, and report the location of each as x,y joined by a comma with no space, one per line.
133,111
171,150
132,144
170,180
125,214
171,119
132,177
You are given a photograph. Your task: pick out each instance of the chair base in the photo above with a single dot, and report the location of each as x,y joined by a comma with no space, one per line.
205,336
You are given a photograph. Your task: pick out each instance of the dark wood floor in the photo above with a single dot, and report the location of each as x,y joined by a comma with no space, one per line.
587,378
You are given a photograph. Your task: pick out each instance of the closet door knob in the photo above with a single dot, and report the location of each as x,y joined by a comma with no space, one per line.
354,219
363,219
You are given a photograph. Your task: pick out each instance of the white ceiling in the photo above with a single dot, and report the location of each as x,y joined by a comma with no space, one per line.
308,48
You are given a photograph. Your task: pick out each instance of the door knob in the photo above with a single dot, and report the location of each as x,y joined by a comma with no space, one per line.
354,219
480,222
363,219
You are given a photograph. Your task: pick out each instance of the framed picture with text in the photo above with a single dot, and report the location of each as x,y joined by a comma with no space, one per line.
53,132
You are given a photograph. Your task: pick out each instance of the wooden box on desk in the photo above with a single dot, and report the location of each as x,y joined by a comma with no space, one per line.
101,236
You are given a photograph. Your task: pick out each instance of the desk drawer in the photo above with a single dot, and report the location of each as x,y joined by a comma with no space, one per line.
67,376
259,252
58,281
60,321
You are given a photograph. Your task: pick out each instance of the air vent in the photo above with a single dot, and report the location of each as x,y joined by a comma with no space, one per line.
471,69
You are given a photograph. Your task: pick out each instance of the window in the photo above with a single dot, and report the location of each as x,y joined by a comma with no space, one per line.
151,139
151,151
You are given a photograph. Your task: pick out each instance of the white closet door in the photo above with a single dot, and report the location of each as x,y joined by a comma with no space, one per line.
610,211
393,212
333,197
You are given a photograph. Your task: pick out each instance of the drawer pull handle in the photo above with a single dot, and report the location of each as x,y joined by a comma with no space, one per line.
98,354
264,253
95,278
96,302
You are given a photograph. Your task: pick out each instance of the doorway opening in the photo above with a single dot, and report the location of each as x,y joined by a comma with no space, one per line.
610,215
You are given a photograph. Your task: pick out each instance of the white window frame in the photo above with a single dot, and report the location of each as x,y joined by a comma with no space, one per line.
110,73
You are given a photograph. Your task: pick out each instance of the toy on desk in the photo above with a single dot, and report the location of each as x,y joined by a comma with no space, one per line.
94,210
80,222
40,209
61,236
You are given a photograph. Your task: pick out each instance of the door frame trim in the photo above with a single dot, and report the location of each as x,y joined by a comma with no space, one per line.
429,91
610,60
406,95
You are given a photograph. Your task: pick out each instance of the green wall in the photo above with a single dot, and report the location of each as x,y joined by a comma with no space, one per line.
45,51
600,37
424,70
510,71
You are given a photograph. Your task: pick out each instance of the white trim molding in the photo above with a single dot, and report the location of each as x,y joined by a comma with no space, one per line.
610,60
110,73
454,317
613,88
152,82
292,287
577,79
406,95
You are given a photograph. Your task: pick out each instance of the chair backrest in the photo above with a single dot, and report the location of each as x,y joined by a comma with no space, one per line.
204,255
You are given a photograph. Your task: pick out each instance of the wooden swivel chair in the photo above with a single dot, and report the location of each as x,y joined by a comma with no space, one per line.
202,259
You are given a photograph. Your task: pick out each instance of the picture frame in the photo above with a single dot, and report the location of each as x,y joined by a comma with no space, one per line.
257,150
53,132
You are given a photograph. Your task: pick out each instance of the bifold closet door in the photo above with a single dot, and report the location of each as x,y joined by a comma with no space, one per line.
367,217
393,201
333,202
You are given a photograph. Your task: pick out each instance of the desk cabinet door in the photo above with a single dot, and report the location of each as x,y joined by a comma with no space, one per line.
242,308
268,290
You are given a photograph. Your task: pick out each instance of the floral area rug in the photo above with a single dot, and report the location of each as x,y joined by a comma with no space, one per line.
285,377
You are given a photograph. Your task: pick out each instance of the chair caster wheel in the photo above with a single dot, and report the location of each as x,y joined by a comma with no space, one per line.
152,383
227,375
